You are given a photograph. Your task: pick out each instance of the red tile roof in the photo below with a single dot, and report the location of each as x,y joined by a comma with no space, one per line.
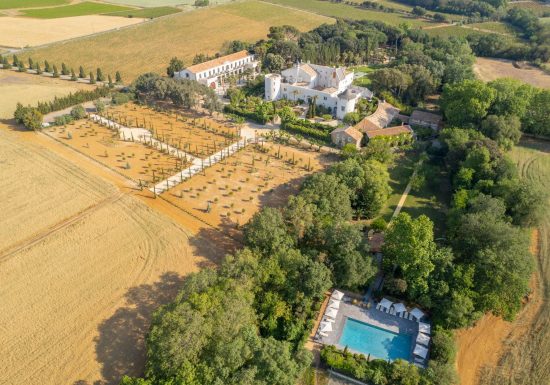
218,61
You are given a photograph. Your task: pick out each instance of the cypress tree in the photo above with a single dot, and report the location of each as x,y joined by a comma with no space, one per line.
111,85
31,64
81,73
118,77
5,62
64,69
73,76
15,61
55,72
38,69
92,79
100,76
21,67
47,67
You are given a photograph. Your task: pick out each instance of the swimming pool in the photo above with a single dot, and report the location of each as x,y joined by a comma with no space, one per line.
379,343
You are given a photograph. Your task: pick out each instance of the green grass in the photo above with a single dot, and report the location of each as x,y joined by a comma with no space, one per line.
537,7
345,11
160,3
14,4
545,20
146,13
79,9
495,26
430,200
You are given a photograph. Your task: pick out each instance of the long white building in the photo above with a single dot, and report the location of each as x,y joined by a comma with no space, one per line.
213,72
330,87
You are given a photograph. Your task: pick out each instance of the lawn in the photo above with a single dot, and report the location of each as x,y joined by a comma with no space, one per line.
343,10
14,4
545,20
149,46
430,199
79,9
146,13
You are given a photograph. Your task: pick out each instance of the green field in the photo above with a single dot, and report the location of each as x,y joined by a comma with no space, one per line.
495,26
14,4
537,7
146,13
345,11
150,46
79,9
526,353
160,3
545,20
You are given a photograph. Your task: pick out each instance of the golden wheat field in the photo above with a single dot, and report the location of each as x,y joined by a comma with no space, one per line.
149,46
19,32
83,261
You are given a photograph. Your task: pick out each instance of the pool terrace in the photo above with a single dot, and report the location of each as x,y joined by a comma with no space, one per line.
371,316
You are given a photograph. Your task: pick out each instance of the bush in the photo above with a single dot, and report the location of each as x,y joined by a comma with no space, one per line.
99,106
63,119
307,129
78,112
120,98
30,117
379,224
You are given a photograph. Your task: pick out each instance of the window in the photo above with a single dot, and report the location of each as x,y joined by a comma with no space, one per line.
343,108
325,98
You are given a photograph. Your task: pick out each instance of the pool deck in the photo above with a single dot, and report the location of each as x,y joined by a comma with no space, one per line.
370,316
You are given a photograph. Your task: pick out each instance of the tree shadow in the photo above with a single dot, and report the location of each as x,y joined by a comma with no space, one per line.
120,346
213,245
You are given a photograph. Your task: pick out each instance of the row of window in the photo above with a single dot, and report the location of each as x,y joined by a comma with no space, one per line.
222,69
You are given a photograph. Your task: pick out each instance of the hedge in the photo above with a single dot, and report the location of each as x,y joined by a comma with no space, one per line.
307,129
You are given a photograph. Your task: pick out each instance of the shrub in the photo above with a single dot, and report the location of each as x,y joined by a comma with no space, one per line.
379,224
78,112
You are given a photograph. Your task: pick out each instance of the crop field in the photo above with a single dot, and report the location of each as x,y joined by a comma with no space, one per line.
156,3
343,10
150,46
11,4
525,359
146,13
197,135
230,192
490,69
78,9
21,32
28,89
537,7
494,26
141,163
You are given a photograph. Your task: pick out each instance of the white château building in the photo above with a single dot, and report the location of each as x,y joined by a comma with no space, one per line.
332,87
213,72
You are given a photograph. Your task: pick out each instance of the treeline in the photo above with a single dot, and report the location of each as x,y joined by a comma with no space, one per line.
56,73
500,109
181,92
247,322
536,35
423,66
476,8
31,117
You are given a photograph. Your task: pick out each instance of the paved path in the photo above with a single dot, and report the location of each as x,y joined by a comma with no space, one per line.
197,166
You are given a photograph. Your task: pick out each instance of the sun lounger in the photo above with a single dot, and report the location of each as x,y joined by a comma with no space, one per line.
392,311
406,315
323,334
410,317
378,307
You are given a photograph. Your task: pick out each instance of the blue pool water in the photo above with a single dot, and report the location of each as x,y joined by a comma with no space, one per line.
379,343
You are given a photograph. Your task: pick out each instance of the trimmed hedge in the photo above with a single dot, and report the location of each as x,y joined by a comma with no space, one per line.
70,100
307,129
250,115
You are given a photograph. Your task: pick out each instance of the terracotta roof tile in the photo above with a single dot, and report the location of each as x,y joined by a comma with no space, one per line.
217,61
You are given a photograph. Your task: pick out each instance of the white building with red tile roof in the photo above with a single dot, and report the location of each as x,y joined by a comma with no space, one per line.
212,72
330,87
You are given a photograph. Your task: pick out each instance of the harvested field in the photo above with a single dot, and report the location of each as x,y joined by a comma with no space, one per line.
29,89
141,163
21,32
490,69
198,135
78,9
146,13
525,358
82,267
135,50
232,191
